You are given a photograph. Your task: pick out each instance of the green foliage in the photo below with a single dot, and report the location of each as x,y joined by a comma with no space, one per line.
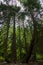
20,43
32,3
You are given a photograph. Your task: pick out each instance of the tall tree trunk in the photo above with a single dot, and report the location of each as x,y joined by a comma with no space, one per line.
34,37
13,48
20,48
24,34
6,37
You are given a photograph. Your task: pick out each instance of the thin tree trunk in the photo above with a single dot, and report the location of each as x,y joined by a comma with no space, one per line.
13,48
6,38
34,37
26,46
20,42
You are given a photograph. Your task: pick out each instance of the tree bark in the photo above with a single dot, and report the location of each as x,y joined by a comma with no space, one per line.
34,36
6,37
13,47
20,48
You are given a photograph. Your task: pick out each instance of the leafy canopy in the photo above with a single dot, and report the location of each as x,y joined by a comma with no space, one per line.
32,3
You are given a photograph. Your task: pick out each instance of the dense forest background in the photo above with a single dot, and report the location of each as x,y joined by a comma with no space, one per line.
21,31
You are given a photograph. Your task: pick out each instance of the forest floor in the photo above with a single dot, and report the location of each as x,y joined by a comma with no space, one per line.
30,63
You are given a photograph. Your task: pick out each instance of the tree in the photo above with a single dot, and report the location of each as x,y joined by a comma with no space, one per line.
7,22
13,47
20,46
31,5
14,43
